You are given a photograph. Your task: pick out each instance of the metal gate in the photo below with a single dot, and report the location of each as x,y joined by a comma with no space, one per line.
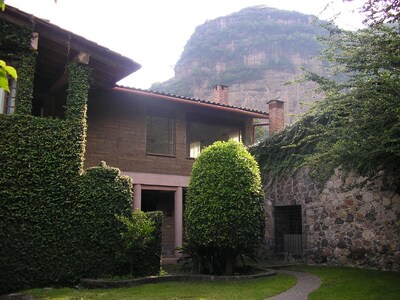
288,229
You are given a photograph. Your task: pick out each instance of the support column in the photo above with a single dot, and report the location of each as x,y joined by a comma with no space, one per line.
178,215
137,197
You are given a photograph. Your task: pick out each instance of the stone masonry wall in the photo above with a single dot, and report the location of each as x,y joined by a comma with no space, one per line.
350,221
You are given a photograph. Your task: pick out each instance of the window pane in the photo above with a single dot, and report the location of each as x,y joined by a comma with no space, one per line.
7,100
200,135
160,135
2,101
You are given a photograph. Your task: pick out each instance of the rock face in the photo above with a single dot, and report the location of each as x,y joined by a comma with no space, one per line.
350,221
254,51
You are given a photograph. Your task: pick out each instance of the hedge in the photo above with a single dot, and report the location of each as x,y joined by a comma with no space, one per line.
57,223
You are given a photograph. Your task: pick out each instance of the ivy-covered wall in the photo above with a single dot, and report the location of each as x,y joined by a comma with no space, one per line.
57,223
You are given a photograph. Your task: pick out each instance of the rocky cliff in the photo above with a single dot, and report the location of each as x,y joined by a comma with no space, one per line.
254,51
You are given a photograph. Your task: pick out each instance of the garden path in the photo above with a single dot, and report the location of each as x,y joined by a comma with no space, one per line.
306,283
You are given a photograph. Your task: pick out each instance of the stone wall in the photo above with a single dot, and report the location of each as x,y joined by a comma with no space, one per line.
349,221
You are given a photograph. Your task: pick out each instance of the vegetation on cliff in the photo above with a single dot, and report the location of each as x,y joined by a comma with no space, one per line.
241,47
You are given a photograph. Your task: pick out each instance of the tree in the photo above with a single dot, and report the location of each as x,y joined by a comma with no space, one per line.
6,71
381,11
362,102
224,210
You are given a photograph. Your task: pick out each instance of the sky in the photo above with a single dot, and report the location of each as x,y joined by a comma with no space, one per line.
154,32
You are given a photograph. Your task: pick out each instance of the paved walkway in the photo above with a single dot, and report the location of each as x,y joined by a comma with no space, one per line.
306,283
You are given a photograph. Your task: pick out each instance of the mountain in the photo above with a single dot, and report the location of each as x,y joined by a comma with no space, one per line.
254,51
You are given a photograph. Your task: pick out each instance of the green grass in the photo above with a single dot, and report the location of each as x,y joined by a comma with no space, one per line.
351,283
249,289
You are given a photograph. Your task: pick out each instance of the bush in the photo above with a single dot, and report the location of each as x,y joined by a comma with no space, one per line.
148,261
142,233
224,212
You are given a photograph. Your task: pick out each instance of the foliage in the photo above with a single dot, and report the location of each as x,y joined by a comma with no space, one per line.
138,234
357,125
78,89
56,224
224,212
381,11
6,71
363,109
148,260
27,64
100,193
287,150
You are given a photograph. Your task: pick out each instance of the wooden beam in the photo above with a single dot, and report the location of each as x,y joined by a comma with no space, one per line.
62,77
34,40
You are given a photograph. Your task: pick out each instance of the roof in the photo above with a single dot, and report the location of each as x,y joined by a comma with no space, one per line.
193,101
58,46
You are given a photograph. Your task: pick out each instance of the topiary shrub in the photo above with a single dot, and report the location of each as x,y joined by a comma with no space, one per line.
224,210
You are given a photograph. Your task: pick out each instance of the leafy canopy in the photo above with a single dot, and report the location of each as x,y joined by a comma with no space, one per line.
6,71
362,103
357,125
224,209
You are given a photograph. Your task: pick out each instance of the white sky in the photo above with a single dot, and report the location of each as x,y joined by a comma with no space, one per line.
154,32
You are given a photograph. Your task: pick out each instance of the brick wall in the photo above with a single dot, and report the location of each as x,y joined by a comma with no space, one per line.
221,94
117,132
276,116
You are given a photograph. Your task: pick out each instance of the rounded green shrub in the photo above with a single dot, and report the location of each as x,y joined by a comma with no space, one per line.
224,210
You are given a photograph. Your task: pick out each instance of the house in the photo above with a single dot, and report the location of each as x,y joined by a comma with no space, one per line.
154,138
151,136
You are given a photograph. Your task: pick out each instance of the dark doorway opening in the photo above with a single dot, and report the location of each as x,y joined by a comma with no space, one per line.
288,229
163,201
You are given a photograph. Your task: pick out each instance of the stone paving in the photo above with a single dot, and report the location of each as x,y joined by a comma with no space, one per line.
306,283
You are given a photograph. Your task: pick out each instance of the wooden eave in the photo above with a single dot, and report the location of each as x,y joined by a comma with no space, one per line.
193,101
57,47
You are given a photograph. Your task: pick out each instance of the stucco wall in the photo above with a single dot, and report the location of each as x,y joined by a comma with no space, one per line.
350,220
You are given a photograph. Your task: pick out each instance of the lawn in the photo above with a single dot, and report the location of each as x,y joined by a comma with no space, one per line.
352,283
249,289
337,283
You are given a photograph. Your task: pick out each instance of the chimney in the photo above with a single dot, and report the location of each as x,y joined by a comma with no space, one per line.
221,94
276,116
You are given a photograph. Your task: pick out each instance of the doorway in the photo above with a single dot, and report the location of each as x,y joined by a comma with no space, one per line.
163,201
288,229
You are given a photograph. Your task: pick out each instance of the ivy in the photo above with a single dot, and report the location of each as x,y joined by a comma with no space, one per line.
26,72
57,223
78,89
13,40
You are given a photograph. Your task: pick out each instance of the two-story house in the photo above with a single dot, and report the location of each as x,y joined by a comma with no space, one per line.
155,137
151,136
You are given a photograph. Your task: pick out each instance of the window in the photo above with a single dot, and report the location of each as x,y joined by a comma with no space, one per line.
202,134
160,135
7,100
195,149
